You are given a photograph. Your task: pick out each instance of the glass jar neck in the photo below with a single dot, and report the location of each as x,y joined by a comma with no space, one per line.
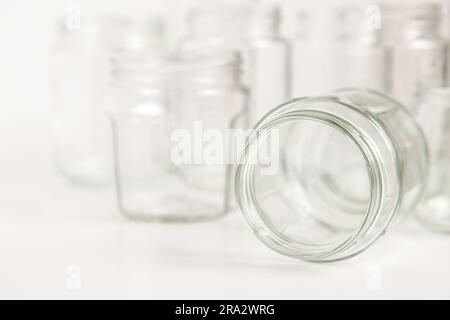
423,30
354,25
265,22
189,72
423,23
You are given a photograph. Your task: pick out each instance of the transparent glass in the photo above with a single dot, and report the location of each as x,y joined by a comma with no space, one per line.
170,118
80,77
420,60
350,165
347,44
215,27
434,116
254,31
269,56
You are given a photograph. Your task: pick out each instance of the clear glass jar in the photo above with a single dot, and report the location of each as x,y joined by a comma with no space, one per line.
349,51
253,30
170,121
433,114
350,165
420,61
308,54
80,75
269,56
215,27
360,54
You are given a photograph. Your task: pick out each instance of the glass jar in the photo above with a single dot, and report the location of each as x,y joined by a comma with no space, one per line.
170,120
350,165
360,54
349,51
308,55
80,75
420,60
269,56
215,27
433,114
253,30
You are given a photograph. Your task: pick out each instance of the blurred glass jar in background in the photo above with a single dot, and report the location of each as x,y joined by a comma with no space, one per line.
80,75
433,114
171,119
253,30
269,57
420,60
351,165
214,27
349,52
308,56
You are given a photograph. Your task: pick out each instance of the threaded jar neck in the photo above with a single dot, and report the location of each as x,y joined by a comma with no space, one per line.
424,22
357,24
265,21
194,70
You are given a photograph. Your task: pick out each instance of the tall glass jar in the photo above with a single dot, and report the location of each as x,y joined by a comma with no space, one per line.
308,55
215,27
349,166
420,61
269,57
253,30
341,46
171,119
80,76
361,56
434,116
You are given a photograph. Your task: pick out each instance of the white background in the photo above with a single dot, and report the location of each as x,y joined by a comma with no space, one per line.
60,241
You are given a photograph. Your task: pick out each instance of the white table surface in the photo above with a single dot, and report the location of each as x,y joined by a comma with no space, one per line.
62,241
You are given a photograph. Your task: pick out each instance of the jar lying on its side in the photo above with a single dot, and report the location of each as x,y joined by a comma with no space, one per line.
350,165
165,114
433,114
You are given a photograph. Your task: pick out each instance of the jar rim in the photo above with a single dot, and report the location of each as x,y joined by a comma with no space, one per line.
373,160
144,66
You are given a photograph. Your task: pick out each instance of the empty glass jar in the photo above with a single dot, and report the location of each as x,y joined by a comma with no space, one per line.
170,119
420,60
253,30
434,116
269,56
80,78
360,54
350,165
341,47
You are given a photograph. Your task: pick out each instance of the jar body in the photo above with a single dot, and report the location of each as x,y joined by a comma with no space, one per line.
269,75
420,59
80,131
433,114
80,76
351,164
425,63
170,141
